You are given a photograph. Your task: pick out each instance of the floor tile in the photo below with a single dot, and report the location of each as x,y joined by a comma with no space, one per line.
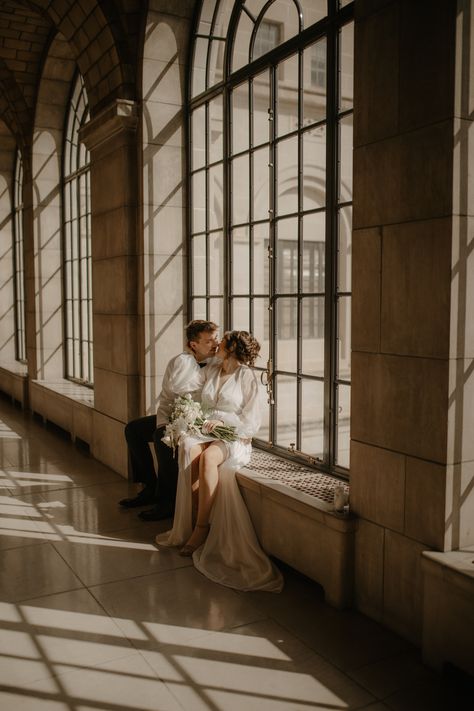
126,683
433,694
101,559
180,602
392,674
32,571
344,637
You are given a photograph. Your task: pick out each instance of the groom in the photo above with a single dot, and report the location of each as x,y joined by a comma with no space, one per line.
182,375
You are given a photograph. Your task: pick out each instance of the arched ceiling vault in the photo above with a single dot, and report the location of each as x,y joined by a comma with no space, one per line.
103,36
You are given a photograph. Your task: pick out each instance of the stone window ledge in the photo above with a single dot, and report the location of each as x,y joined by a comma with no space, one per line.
448,610
68,389
65,404
14,367
298,527
14,381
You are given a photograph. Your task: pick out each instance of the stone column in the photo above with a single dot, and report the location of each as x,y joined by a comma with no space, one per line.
412,334
111,138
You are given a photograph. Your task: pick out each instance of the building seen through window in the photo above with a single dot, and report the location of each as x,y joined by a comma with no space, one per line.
270,214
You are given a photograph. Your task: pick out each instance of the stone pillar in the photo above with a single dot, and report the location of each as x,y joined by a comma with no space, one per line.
412,336
111,138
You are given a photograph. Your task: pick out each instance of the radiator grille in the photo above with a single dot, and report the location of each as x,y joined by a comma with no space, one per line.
316,484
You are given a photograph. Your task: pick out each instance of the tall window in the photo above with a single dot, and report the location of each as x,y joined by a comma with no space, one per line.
270,117
77,242
19,272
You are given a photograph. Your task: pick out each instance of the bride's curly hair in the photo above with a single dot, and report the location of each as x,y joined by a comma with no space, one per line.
242,345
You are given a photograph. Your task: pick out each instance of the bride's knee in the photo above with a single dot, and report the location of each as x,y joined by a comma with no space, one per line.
213,455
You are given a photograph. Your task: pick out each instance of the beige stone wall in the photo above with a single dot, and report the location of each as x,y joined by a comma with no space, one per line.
411,411
163,251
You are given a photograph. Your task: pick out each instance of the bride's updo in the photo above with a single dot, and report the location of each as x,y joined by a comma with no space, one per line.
243,346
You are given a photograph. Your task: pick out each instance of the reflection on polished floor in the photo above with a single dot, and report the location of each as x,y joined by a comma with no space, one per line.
94,616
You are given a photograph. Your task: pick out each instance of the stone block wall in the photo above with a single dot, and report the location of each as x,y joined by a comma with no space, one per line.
408,64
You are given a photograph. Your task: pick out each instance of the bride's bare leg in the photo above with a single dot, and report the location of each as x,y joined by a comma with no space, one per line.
195,454
209,461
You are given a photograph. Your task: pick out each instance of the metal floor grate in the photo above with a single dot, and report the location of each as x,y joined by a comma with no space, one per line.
316,484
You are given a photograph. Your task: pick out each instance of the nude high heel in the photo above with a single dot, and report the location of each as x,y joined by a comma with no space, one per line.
188,549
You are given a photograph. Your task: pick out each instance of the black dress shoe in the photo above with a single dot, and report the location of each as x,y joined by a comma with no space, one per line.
144,498
157,513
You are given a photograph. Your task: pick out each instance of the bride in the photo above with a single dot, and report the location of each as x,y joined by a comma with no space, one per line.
223,543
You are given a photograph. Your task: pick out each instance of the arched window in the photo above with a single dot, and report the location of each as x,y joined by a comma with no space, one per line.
270,185
18,262
77,242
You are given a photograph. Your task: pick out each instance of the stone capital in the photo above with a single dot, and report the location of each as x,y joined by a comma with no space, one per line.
121,115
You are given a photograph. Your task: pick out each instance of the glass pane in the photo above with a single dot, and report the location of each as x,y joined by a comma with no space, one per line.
198,198
314,82
345,249
215,129
199,66
205,18
216,198
346,58
240,189
280,23
198,309
240,54
261,283
240,123
312,346
286,264
241,314
223,17
343,425
261,184
286,415
314,168
240,261
264,431
267,37
216,264
216,311
261,106
216,62
287,172
287,96
344,336
286,316
313,276
312,417
261,329
315,11
345,160
198,246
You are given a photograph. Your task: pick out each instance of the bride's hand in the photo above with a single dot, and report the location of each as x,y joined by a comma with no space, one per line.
210,425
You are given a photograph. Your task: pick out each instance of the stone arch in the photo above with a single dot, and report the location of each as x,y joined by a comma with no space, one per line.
98,41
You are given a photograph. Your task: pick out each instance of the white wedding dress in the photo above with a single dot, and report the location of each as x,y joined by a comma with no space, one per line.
231,554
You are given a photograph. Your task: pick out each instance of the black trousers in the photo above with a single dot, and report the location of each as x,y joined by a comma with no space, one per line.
139,433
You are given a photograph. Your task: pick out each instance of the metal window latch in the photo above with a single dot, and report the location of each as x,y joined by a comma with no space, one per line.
267,380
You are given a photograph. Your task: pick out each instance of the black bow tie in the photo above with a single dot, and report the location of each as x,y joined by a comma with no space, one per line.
202,365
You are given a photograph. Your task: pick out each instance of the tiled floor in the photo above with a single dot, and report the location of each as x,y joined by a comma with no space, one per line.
94,617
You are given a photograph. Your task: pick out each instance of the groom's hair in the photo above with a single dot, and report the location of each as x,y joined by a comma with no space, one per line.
198,326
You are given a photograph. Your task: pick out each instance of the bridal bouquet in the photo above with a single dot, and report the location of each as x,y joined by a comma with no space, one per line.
188,417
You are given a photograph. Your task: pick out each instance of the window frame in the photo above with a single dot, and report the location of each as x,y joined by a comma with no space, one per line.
328,29
77,288
18,261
